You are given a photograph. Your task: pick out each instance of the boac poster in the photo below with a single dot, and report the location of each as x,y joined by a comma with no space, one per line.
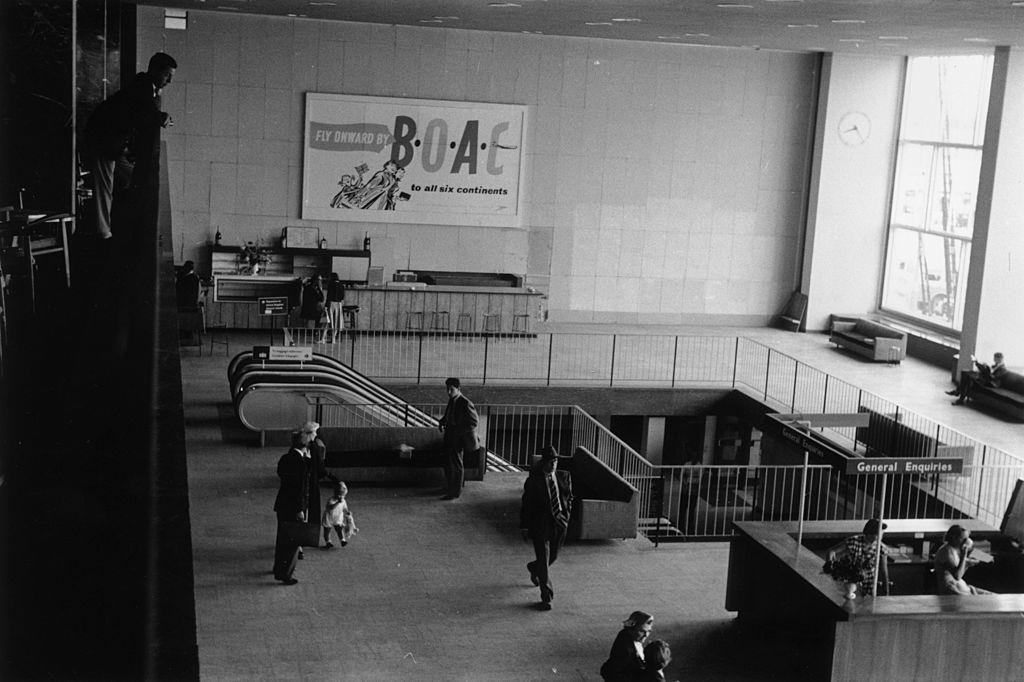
383,159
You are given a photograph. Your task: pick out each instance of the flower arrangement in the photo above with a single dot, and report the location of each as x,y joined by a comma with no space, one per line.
253,258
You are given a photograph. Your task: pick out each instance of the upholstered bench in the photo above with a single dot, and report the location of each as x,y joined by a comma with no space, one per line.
870,339
1007,399
372,454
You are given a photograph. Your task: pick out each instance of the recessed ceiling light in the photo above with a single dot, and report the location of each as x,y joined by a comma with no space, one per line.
733,5
505,4
447,18
431,21
977,40
893,38
801,26
533,32
697,35
848,21
853,40
626,19
598,23
1017,3
670,37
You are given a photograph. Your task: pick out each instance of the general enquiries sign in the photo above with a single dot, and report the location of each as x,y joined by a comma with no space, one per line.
915,465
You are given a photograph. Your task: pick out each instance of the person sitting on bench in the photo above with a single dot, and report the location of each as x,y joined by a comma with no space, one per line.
986,375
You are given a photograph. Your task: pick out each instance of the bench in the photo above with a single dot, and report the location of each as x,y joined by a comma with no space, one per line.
372,454
872,340
606,505
1007,399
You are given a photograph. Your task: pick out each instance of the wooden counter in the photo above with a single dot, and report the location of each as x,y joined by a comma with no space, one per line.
387,308
774,582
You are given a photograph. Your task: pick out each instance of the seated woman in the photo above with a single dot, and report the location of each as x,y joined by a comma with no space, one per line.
626,659
952,560
860,551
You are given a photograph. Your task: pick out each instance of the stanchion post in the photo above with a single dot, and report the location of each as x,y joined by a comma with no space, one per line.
878,544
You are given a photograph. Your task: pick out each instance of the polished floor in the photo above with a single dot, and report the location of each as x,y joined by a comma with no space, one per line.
432,590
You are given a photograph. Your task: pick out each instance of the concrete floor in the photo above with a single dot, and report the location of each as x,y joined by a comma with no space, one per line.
432,590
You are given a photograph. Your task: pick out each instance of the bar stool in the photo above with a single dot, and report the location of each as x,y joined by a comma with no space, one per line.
465,323
439,320
520,323
414,316
350,316
492,322
219,336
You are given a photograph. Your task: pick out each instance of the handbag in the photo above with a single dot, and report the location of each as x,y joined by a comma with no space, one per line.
303,533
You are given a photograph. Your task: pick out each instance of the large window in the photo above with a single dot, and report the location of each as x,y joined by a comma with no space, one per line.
936,186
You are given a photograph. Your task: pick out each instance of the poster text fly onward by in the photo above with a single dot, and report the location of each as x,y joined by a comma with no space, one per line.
382,159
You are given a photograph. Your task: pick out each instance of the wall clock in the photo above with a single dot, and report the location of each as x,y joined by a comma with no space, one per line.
854,128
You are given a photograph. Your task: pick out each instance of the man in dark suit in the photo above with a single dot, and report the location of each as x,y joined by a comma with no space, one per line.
112,130
544,517
291,505
459,428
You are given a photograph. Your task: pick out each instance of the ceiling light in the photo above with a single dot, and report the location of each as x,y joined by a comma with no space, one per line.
322,4
853,40
626,19
1017,3
431,21
697,35
977,40
598,23
505,4
848,21
893,38
447,18
670,37
733,5
801,26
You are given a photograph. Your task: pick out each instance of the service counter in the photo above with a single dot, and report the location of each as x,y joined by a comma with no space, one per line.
774,582
396,306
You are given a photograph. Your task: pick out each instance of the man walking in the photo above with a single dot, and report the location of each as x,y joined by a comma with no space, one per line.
459,428
544,517
291,506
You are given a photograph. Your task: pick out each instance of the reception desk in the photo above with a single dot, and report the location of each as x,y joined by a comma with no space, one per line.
394,307
775,583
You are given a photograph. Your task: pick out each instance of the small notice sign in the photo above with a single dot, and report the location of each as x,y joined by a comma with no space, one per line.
295,353
908,465
272,305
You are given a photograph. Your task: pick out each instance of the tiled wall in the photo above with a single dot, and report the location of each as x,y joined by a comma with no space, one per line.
664,183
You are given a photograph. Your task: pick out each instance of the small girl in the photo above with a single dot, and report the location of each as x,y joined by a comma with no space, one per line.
337,516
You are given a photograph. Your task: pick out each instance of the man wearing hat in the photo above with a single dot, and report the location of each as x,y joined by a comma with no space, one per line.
544,517
861,549
459,428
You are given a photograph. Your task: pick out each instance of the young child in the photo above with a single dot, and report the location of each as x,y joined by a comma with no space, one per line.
657,655
337,516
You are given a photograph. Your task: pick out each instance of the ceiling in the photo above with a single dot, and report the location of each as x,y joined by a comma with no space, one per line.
848,26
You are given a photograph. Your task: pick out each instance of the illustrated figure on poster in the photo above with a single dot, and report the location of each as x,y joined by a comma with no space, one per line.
394,194
380,191
348,184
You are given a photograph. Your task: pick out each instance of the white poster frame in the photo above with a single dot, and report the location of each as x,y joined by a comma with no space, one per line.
457,198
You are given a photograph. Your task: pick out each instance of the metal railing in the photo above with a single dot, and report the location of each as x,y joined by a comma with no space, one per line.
777,379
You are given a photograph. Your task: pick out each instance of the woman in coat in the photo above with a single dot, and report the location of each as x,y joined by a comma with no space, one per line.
626,658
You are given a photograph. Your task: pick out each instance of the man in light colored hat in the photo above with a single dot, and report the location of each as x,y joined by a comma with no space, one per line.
544,518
